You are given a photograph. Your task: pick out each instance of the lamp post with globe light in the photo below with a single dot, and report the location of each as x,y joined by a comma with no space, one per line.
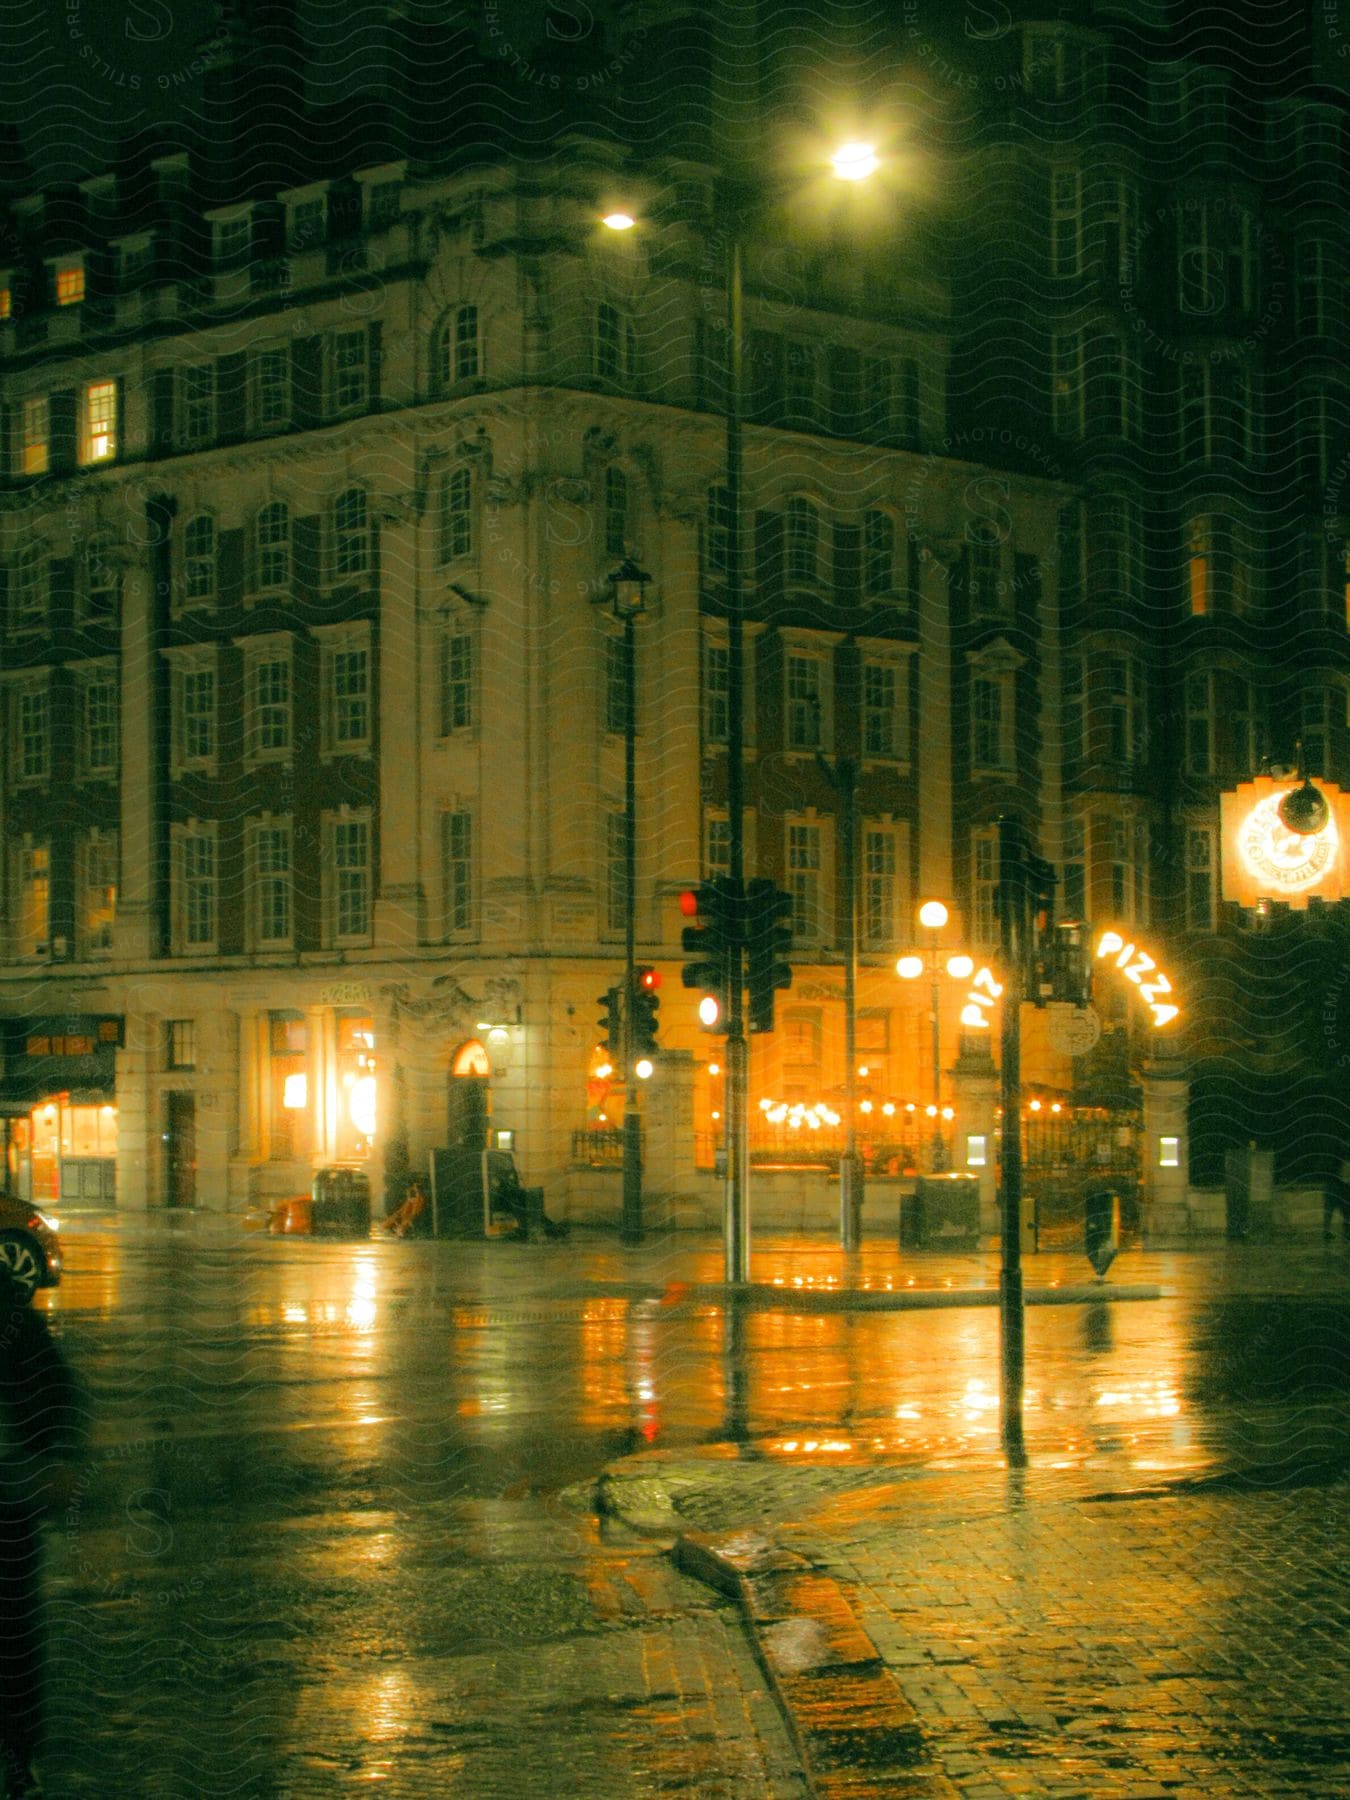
933,916
739,202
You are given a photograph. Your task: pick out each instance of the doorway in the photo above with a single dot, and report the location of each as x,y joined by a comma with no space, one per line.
180,1149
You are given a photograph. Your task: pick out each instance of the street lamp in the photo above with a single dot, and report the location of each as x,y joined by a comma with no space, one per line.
933,916
628,597
737,200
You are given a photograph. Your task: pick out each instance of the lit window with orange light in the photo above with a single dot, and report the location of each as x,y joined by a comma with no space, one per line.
70,285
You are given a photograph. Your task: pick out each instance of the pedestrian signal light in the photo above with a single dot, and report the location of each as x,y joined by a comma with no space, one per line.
644,1008
769,933
611,1022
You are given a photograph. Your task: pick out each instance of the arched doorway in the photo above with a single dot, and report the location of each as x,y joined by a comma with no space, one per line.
467,1105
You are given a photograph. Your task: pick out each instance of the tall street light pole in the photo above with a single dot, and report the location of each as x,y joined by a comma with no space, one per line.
852,162
933,915
628,590
736,1202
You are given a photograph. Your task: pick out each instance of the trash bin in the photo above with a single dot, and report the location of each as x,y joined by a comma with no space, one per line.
340,1202
943,1213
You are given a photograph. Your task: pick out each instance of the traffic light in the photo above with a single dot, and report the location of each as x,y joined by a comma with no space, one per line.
611,1023
643,1017
768,911
711,943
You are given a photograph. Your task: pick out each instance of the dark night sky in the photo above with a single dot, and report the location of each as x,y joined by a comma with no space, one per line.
77,75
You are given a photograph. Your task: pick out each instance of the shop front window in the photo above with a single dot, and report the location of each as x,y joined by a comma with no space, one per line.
288,1084
355,1121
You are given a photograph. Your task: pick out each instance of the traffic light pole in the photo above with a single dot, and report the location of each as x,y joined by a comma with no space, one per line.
630,1227
1012,908
736,1095
843,778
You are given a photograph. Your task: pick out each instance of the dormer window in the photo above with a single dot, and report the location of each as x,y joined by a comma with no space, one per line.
233,240
134,256
1055,65
307,222
68,283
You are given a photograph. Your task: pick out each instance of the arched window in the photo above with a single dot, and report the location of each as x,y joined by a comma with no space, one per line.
199,558
878,554
272,545
802,541
351,534
456,514
616,512
461,357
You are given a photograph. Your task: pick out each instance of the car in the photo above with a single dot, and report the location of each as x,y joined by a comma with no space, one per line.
29,1246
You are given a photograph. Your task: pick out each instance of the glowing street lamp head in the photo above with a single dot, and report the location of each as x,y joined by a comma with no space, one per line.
960,967
909,968
619,221
643,1067
933,914
855,162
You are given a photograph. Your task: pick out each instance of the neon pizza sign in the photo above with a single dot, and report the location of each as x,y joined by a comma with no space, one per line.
1138,966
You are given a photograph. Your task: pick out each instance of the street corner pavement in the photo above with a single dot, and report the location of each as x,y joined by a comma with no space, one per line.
1050,1631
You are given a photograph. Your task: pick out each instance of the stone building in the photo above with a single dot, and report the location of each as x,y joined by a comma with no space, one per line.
317,466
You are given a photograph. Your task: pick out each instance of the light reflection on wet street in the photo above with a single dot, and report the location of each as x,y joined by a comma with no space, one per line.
325,1535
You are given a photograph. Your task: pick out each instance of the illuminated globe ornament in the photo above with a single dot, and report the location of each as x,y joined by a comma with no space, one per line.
1304,810
1284,858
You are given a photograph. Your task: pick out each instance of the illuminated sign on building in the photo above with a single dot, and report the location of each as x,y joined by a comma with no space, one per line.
1264,860
1138,966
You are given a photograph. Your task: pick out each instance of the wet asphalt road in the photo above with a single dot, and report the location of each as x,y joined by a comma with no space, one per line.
333,1531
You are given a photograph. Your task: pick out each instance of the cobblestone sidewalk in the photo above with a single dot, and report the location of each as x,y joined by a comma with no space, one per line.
1042,1633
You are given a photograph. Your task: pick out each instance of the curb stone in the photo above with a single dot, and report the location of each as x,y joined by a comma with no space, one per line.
857,1735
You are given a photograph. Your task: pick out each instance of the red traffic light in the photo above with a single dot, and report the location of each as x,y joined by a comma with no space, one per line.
689,903
649,979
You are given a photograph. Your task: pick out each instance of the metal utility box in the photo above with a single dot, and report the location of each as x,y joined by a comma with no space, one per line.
943,1213
471,1187
340,1203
